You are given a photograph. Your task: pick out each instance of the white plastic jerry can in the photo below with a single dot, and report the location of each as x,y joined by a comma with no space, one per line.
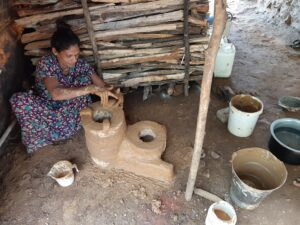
224,60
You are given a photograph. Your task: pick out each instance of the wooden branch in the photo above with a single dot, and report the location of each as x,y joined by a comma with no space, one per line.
137,80
202,23
37,45
34,2
103,11
122,1
207,195
141,21
60,6
121,53
92,36
37,36
148,29
210,57
202,8
31,20
37,52
186,48
131,60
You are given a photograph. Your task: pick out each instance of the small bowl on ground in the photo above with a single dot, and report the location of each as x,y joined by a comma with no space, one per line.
289,103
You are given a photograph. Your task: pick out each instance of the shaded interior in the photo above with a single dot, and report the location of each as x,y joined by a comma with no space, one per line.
100,115
147,135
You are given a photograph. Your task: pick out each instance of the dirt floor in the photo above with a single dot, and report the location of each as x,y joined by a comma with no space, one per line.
263,67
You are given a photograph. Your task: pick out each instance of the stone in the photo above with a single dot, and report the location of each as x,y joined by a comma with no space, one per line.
223,114
214,155
288,20
155,206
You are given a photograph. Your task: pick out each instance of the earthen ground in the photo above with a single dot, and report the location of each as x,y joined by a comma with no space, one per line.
263,67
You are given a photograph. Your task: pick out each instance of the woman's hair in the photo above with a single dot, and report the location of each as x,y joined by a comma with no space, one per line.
63,38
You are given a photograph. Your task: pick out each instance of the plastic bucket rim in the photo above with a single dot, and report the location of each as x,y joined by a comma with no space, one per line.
218,205
274,123
259,190
259,112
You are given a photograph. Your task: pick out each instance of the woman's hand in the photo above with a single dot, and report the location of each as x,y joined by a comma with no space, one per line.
104,97
93,89
108,87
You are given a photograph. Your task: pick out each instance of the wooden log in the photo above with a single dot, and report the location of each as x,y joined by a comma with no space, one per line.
170,42
201,8
37,36
46,43
37,45
197,62
125,74
84,38
121,53
122,1
219,25
119,16
103,45
59,6
154,65
126,31
131,60
75,23
137,80
37,52
157,19
152,73
31,20
101,10
199,22
187,56
163,82
141,21
148,6
34,2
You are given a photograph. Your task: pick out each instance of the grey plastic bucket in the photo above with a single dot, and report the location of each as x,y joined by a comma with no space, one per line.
256,173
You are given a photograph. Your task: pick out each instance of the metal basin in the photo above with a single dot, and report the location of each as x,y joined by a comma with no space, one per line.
289,103
285,140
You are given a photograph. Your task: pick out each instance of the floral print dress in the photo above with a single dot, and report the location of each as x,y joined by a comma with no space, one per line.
44,120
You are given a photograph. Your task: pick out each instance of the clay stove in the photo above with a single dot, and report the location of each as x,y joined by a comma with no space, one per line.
136,148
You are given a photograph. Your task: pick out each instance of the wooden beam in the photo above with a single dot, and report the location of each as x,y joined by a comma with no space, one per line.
186,47
210,57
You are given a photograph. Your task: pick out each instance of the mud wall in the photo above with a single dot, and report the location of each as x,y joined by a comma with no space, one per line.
14,71
282,12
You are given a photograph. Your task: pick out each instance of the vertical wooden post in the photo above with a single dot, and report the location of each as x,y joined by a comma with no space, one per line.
186,47
91,32
220,17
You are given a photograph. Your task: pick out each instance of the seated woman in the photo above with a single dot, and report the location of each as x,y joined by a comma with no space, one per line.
62,86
